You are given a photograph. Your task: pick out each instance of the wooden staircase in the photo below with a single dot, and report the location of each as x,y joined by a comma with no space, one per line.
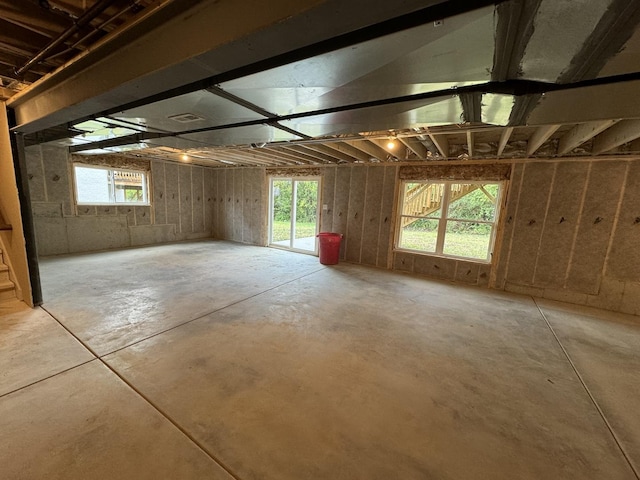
7,287
426,198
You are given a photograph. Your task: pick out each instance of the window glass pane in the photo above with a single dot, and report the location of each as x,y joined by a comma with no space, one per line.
467,239
306,208
470,201
281,221
92,185
129,187
419,234
423,199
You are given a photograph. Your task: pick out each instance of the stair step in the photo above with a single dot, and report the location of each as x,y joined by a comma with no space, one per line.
4,272
7,289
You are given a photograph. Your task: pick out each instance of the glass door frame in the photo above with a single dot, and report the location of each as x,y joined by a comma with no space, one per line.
294,196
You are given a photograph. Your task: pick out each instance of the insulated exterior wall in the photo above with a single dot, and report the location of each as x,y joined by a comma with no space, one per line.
341,204
575,234
529,221
172,195
355,214
185,207
197,200
159,199
595,226
62,227
623,262
327,198
560,224
568,229
371,218
240,205
359,203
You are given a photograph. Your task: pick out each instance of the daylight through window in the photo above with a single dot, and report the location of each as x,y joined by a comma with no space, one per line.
448,218
99,185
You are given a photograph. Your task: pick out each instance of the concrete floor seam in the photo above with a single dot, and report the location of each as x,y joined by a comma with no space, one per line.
47,377
591,397
172,421
87,347
147,400
207,314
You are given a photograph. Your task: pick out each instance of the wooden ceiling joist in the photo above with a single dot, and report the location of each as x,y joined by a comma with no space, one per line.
504,139
620,133
416,146
580,134
442,143
398,151
280,155
313,159
243,157
353,153
333,152
314,153
369,148
541,135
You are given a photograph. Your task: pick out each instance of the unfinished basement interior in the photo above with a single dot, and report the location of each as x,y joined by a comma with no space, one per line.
322,239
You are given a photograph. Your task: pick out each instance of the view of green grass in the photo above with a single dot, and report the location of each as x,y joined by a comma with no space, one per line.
469,245
281,230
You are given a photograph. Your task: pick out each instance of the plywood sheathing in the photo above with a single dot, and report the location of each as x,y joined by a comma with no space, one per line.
294,172
493,172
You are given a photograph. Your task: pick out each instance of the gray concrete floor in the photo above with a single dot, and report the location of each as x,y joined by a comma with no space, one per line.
212,360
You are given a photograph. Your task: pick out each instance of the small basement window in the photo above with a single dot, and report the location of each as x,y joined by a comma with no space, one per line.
106,186
449,218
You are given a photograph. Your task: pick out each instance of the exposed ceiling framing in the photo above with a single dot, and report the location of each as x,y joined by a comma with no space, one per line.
445,80
38,36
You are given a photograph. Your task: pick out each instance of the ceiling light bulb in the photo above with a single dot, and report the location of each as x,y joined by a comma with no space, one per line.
391,145
185,157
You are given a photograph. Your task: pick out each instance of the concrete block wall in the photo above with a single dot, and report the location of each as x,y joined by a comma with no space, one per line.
572,233
181,207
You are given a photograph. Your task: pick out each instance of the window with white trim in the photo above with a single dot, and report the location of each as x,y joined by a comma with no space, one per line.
454,219
105,186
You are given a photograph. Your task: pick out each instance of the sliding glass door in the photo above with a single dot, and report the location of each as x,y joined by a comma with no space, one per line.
294,213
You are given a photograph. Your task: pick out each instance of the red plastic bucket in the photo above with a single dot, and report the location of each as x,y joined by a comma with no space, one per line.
329,247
